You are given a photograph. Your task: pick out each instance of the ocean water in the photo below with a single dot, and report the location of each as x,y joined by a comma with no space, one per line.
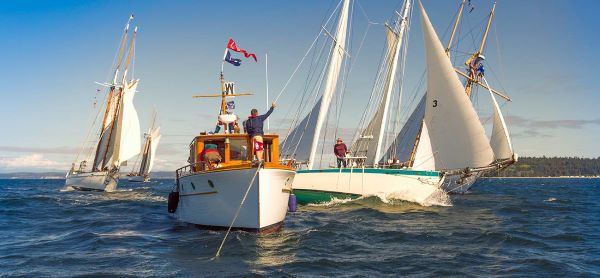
504,227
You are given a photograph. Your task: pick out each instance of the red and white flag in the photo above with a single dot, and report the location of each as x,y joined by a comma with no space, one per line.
231,45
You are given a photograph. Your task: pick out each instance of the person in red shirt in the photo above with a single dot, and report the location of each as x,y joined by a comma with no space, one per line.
340,150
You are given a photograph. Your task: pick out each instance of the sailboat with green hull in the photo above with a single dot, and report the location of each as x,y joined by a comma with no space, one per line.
449,147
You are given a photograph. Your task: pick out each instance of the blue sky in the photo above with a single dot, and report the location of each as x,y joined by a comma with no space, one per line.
544,54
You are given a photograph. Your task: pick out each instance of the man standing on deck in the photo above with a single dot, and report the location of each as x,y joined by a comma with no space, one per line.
254,127
340,150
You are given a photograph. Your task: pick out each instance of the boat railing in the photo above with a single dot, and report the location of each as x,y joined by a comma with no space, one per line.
192,168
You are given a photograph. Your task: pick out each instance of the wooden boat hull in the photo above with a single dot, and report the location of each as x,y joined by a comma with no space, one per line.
211,199
92,181
317,186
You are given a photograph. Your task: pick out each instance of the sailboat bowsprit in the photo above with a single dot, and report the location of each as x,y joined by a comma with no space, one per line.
119,138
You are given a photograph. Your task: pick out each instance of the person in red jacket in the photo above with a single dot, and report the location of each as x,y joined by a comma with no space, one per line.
340,150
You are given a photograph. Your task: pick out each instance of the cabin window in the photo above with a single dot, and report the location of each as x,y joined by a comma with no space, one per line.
238,149
220,146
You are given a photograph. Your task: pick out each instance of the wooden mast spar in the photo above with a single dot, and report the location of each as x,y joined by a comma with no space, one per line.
473,78
223,95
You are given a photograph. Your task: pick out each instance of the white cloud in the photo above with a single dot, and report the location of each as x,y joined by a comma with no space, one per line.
28,162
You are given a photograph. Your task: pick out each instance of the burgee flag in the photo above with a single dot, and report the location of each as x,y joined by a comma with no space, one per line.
231,45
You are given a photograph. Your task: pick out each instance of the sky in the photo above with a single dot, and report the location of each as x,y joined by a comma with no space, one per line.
544,54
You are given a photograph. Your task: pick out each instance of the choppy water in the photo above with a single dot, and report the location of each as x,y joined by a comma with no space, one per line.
514,227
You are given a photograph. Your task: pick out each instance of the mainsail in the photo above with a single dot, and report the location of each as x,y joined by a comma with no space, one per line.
338,51
297,143
402,146
457,136
310,127
371,142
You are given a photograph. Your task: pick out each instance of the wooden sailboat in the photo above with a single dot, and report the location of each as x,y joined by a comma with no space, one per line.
152,138
208,193
119,134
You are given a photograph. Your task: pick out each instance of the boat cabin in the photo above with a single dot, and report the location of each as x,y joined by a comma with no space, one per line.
235,152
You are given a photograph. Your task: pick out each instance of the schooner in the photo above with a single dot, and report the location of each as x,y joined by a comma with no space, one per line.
119,138
448,147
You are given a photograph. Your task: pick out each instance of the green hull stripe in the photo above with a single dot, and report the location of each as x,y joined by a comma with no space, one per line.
375,171
304,197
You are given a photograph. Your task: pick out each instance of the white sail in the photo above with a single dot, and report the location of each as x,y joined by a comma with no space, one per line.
424,156
103,146
389,84
402,146
500,140
369,144
127,142
457,136
338,51
297,143
154,140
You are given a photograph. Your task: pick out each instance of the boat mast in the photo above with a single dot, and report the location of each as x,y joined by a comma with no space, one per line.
147,143
112,88
338,52
120,94
400,28
472,62
460,10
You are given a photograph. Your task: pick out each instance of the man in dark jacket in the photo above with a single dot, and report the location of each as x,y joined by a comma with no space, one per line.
340,150
254,127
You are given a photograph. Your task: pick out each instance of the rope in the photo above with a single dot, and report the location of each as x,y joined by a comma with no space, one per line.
238,210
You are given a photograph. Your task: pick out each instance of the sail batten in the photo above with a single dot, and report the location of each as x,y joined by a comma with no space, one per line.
456,134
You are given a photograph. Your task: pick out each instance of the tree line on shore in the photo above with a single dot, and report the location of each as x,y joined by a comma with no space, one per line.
551,167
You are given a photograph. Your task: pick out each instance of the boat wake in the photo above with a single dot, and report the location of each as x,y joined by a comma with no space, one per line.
437,198
334,201
67,189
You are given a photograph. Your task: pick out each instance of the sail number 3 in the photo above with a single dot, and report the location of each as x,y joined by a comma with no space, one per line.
435,103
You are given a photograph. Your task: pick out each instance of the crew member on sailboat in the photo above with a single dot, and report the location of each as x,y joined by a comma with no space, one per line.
340,151
254,127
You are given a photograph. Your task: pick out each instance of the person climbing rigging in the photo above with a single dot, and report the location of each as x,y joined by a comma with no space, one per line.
480,70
